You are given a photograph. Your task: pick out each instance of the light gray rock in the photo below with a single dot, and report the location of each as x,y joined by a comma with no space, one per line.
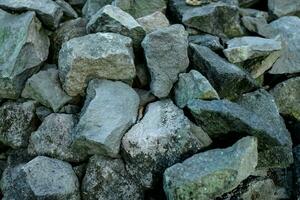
106,178
113,19
210,174
91,7
47,11
99,55
281,8
45,88
193,85
210,41
153,21
109,111
163,137
41,178
23,47
228,79
166,55
67,9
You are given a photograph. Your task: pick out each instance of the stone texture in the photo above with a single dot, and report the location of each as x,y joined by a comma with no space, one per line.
164,64
210,41
193,85
23,47
163,137
109,111
296,151
247,3
67,9
106,178
281,8
91,7
210,174
99,55
153,21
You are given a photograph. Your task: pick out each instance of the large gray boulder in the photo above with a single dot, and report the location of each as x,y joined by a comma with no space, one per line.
24,46
166,55
109,111
281,8
49,12
106,178
209,174
41,178
153,21
91,7
99,55
163,137
228,79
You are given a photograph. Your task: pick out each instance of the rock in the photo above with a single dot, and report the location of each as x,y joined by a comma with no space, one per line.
45,88
257,25
107,178
153,21
100,55
41,178
158,55
17,121
47,11
199,2
228,79
70,109
23,48
193,85
109,111
287,97
247,3
140,8
113,19
210,41
91,7
54,138
162,138
282,8
297,171
42,112
67,9
209,174
249,47
145,96
76,2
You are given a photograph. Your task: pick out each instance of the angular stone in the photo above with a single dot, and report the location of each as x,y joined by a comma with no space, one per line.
67,9
91,7
247,3
193,85
228,79
281,8
47,11
210,174
17,121
106,178
113,19
165,64
287,97
210,41
109,111
41,178
153,21
42,112
76,2
100,55
23,47
163,137
45,88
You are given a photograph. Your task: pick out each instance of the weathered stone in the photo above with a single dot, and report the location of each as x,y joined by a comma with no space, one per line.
76,2
17,121
296,151
247,3
45,88
106,178
91,7
100,55
145,96
287,97
70,109
193,85
113,19
199,2
47,11
153,21
228,79
281,8
210,41
42,112
166,55
41,178
163,137
110,109
23,47
67,9
210,174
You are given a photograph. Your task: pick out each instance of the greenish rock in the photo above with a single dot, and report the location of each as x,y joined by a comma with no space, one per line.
281,8
23,48
113,19
110,110
228,79
193,85
209,174
99,55
164,64
91,7
153,21
106,178
210,41
163,137
45,88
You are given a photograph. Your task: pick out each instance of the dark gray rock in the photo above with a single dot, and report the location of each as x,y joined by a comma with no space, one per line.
67,9
247,3
296,151
153,21
42,112
76,2
210,41
91,7
281,8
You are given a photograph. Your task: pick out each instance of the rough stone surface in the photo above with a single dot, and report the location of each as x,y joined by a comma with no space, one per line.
67,9
109,111
282,8
91,7
212,173
163,137
23,47
296,151
99,55
153,21
165,65
210,41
